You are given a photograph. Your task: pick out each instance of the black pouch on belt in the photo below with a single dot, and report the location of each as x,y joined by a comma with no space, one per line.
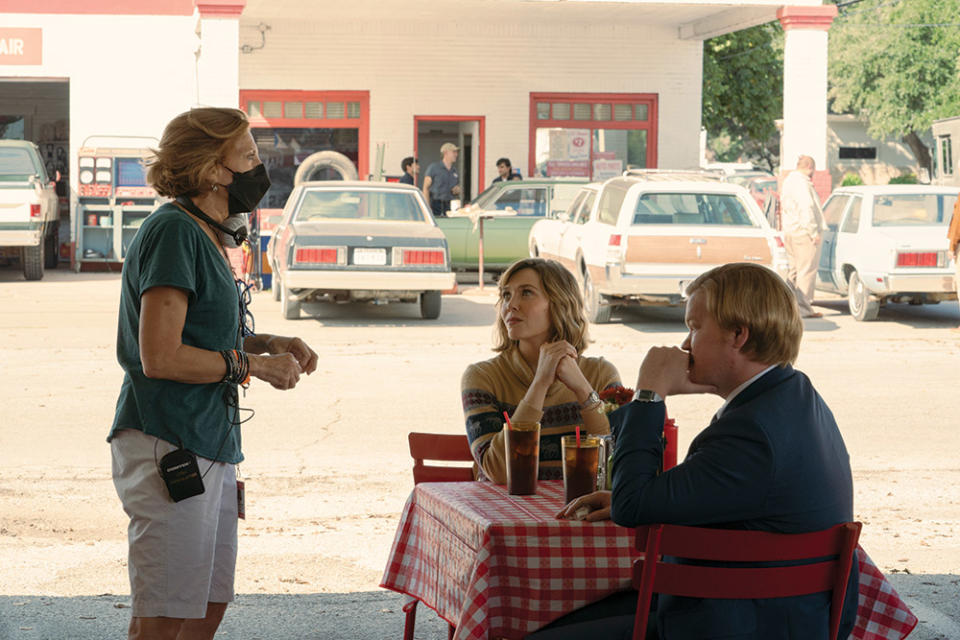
181,474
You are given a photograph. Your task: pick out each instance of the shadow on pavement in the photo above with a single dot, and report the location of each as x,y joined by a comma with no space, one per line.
455,311
927,316
314,616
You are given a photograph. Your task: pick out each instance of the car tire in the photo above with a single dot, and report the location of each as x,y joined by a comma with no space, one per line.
32,259
430,302
333,160
291,308
863,306
51,254
597,311
275,288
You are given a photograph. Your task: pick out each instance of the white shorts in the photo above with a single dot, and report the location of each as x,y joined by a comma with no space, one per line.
182,554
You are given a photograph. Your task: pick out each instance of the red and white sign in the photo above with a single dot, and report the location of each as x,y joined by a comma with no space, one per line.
606,169
568,169
21,46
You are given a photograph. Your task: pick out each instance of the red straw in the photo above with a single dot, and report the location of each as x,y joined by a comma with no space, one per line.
507,418
578,436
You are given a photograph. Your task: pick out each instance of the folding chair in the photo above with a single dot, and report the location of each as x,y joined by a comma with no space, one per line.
436,447
651,574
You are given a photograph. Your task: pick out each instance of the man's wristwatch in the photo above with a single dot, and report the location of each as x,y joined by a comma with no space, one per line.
593,402
646,395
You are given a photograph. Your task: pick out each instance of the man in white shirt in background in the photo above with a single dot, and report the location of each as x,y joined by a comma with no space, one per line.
802,222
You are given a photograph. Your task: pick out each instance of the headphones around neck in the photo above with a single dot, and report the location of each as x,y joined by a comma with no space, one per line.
239,234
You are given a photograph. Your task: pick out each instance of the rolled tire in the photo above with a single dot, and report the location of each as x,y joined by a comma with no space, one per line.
430,302
863,306
291,308
316,162
51,257
32,260
597,312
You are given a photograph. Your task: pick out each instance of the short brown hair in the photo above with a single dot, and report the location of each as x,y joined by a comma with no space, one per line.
191,146
567,318
741,294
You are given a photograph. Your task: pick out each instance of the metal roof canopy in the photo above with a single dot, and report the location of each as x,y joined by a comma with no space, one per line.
692,20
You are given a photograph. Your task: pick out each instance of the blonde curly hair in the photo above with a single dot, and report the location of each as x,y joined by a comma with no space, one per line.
192,145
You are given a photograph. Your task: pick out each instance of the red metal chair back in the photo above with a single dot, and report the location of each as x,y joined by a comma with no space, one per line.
440,447
725,545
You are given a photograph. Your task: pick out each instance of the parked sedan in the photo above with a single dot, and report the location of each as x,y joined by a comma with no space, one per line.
505,238
358,241
635,240
887,244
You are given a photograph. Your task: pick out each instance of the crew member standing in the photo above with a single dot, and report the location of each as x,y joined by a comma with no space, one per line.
802,222
442,182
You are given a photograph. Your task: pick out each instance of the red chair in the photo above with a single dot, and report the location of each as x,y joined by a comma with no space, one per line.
724,545
436,447
440,447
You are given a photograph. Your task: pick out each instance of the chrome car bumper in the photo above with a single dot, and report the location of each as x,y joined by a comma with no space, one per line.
371,280
20,237
885,284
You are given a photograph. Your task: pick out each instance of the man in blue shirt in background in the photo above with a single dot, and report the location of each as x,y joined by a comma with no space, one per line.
442,182
410,168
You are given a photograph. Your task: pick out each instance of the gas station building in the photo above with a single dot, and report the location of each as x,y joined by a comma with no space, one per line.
578,87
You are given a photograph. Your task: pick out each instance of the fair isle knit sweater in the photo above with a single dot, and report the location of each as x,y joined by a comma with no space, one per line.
493,386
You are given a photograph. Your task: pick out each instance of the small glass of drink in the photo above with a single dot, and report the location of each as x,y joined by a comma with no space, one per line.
522,441
579,465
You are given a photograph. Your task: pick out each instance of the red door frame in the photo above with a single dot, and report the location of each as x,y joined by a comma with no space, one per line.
482,144
651,124
362,124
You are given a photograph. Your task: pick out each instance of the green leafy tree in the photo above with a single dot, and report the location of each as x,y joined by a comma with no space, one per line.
743,93
894,63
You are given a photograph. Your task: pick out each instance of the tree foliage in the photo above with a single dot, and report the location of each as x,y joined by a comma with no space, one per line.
894,63
743,93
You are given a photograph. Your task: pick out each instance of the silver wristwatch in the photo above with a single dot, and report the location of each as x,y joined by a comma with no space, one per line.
592,402
646,395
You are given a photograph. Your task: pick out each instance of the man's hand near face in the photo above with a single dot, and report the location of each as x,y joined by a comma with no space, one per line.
666,371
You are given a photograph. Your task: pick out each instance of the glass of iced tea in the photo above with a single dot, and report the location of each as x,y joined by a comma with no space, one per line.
579,465
522,440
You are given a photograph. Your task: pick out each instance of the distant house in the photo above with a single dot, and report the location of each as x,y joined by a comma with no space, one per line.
945,169
850,149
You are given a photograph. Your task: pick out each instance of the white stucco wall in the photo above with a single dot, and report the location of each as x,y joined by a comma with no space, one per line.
128,75
489,69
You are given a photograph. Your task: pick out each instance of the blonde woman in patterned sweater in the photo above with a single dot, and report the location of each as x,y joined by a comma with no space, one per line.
539,374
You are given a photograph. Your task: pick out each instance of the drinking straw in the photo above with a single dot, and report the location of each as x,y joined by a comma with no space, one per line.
507,418
578,436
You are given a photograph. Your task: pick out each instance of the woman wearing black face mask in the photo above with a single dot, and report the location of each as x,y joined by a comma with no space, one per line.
183,353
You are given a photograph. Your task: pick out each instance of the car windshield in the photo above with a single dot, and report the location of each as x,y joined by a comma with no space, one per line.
16,165
691,208
368,205
765,185
910,210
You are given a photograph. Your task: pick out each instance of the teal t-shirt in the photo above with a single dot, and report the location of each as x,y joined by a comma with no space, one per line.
171,250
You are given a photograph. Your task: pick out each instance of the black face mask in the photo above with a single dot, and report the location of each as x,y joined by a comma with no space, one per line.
247,189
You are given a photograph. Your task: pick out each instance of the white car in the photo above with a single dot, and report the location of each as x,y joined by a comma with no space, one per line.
644,238
343,241
887,244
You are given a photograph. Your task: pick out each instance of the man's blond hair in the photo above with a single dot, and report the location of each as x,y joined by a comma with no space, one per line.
748,295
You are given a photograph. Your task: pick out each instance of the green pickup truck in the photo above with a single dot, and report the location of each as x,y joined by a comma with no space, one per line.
505,238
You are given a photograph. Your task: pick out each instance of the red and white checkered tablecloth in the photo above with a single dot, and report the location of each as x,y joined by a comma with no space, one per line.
495,565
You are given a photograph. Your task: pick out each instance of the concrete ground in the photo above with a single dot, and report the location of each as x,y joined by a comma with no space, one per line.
328,471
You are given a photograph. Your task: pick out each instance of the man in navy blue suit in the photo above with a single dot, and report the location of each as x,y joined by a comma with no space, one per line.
772,459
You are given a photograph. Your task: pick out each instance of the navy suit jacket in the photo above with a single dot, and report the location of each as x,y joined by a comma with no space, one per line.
774,461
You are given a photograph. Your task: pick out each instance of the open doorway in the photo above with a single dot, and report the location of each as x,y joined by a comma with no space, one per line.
38,110
467,132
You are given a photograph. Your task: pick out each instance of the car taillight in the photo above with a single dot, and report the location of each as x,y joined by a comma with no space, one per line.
421,256
34,211
614,240
316,256
918,259
779,242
